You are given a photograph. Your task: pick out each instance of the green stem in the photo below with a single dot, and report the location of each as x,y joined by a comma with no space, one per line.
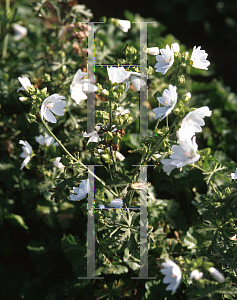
160,141
76,160
110,113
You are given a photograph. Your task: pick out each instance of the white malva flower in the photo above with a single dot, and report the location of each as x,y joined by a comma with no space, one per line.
195,274
199,58
25,82
116,203
27,151
121,111
117,74
46,140
120,75
153,51
217,275
234,175
135,80
184,153
53,104
20,32
57,163
172,274
168,99
80,87
82,191
124,25
93,136
166,59
192,122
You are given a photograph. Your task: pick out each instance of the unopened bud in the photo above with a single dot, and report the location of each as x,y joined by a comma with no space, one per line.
105,92
181,79
187,97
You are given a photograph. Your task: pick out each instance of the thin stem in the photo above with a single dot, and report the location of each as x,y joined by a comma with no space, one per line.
75,159
160,141
110,113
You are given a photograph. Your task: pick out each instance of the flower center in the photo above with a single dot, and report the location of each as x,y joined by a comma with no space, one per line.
190,122
27,152
167,61
190,154
166,103
50,105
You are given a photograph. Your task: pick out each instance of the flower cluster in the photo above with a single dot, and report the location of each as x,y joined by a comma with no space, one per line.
186,151
173,275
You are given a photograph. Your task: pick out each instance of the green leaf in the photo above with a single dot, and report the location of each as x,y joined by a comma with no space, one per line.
16,220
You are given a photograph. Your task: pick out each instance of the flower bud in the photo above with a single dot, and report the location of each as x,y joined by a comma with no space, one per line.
181,79
153,51
196,275
105,92
186,97
217,275
46,77
24,99
64,69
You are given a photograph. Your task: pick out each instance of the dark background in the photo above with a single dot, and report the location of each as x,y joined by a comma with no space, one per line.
210,24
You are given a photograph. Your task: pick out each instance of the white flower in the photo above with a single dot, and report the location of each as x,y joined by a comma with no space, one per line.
20,32
82,191
168,99
199,58
135,80
52,104
117,74
93,136
184,153
80,87
46,140
196,275
172,274
27,151
121,111
124,25
119,156
57,163
25,82
153,51
217,275
192,122
175,47
116,203
120,75
234,175
166,59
